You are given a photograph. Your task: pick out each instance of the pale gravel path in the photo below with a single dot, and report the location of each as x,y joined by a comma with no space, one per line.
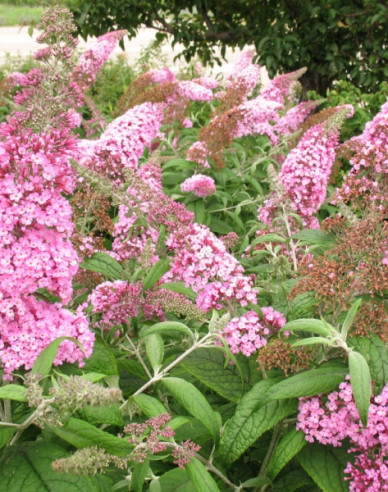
16,41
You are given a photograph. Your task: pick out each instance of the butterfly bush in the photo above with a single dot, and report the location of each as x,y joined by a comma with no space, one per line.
337,419
92,60
305,174
36,252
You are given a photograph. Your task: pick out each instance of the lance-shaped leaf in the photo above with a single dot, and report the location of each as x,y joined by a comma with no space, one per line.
254,415
208,366
361,384
44,362
13,392
176,479
349,318
80,434
376,355
311,341
170,328
103,263
312,325
194,402
156,273
288,447
200,477
325,465
154,349
150,406
309,383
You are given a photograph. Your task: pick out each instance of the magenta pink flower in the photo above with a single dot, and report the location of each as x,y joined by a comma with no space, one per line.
247,333
200,185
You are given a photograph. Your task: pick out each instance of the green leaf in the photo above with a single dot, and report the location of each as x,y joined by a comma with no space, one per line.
156,273
325,465
200,477
13,392
376,355
170,328
155,486
268,238
288,447
311,341
349,318
102,360
254,416
81,434
312,325
103,415
309,383
138,476
150,406
176,480
180,288
208,366
194,402
154,349
315,236
103,263
44,362
302,306
292,481
256,482
361,384
27,467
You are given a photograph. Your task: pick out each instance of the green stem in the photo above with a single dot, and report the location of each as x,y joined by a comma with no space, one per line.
158,376
271,449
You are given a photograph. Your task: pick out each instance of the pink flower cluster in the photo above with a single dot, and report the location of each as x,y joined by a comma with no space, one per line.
247,333
338,419
123,142
305,175
280,88
35,226
200,185
28,326
90,62
367,176
202,261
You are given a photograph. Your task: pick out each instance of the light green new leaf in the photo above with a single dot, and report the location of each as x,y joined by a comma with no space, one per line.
169,328
361,384
13,392
312,325
200,477
180,288
194,402
309,383
44,362
154,349
325,465
376,355
138,476
311,341
288,447
349,318
103,263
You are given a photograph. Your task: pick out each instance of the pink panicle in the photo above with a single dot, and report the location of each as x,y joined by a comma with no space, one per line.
200,185
92,60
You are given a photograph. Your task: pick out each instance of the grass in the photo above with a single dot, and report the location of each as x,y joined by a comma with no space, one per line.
11,15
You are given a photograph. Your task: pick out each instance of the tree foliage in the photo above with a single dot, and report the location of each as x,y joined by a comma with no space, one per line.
344,40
